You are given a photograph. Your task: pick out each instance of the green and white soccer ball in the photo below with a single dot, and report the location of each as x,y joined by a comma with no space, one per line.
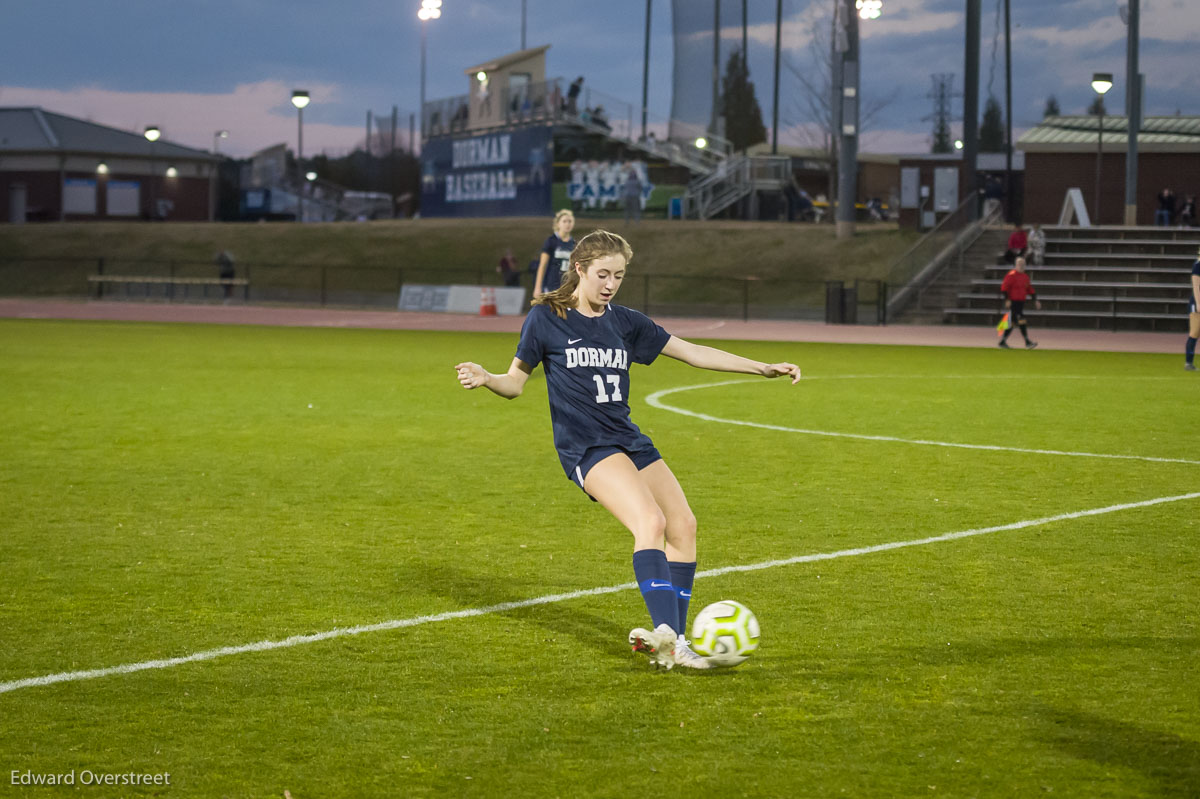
725,632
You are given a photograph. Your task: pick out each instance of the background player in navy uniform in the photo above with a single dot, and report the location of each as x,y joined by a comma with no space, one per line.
556,254
1193,318
586,343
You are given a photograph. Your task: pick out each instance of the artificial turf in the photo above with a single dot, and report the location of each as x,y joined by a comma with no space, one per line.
173,489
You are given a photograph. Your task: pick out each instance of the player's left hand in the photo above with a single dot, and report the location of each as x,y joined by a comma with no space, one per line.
781,369
471,375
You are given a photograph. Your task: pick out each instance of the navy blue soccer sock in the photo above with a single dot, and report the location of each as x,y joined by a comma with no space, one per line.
654,579
682,577
1190,351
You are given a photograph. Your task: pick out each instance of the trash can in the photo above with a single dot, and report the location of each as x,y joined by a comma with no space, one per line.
834,310
850,305
675,208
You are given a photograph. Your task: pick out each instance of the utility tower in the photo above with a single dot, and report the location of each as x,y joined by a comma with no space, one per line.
942,116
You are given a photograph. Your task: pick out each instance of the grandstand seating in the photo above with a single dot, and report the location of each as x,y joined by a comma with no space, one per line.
1115,278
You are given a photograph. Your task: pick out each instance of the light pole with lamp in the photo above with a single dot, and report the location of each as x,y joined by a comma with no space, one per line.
846,102
300,100
430,9
1101,83
212,174
152,134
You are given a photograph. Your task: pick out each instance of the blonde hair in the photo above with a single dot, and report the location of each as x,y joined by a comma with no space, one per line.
595,245
560,215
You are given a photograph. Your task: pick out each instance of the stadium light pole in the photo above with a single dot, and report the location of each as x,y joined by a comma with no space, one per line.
646,71
1133,108
300,99
212,175
1101,83
152,134
845,99
430,9
775,99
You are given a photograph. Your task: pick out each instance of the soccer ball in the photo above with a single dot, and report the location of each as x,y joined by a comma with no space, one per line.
725,632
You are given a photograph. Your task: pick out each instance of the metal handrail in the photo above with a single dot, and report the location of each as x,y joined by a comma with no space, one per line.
921,263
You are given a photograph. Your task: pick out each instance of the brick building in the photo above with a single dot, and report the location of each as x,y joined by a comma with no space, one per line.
1061,154
58,168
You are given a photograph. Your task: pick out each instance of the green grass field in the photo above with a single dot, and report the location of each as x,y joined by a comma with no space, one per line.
169,489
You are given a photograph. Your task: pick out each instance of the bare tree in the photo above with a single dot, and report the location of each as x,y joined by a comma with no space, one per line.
811,111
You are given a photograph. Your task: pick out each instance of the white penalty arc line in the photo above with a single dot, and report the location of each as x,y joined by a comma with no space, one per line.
395,624
655,400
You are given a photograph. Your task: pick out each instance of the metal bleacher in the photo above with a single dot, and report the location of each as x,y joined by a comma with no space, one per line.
1115,278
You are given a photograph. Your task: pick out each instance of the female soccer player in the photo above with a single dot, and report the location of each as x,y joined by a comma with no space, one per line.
586,343
556,254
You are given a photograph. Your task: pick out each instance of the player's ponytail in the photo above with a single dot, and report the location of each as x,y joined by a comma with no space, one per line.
597,244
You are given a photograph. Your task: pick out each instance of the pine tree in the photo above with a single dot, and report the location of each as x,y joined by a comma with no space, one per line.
991,130
743,116
1052,109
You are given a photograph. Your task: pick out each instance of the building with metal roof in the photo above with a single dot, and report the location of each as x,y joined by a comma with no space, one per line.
1062,153
54,168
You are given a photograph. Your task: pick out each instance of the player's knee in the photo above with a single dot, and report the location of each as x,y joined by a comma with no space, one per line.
681,528
650,528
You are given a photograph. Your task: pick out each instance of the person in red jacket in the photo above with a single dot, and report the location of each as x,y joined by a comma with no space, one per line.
1017,288
1018,245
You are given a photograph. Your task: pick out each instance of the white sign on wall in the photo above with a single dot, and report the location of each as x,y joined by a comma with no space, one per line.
79,196
123,198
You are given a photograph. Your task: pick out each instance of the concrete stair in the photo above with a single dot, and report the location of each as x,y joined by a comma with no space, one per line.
1105,278
942,293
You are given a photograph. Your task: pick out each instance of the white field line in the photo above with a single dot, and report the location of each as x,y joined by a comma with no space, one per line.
344,632
655,400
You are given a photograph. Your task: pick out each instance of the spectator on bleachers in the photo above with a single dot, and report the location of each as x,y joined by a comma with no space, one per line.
1166,208
1037,245
573,95
1187,214
1018,244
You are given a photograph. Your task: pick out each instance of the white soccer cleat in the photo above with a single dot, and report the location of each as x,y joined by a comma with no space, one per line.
658,643
684,656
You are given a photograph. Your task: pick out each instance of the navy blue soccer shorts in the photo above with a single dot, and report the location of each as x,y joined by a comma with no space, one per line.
641,459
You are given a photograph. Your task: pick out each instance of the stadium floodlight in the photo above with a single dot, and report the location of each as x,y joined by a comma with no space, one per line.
430,9
300,99
701,142
869,9
1102,82
152,133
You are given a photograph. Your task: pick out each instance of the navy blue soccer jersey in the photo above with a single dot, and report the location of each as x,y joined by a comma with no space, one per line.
587,374
560,261
1192,297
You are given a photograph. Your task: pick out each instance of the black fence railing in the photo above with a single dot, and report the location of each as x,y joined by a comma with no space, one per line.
379,286
847,301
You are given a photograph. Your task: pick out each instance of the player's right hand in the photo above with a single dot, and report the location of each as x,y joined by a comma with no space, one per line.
471,375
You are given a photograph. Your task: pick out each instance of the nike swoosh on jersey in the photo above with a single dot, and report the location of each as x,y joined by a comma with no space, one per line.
571,341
